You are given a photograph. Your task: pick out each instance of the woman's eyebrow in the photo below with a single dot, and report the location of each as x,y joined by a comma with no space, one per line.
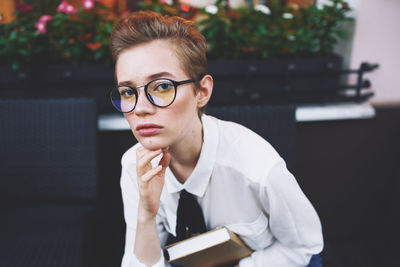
149,78
160,75
126,83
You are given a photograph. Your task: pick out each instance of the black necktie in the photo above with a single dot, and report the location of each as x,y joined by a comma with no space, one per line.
189,218
189,221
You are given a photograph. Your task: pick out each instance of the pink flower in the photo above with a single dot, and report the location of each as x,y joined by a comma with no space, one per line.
66,8
41,27
45,18
62,7
41,24
88,4
166,2
70,10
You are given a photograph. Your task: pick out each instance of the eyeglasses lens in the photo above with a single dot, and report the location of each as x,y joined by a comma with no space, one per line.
161,92
123,98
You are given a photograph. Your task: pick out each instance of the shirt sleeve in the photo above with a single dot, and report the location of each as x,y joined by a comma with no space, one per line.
293,222
130,197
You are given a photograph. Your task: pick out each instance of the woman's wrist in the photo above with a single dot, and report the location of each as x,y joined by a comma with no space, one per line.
145,217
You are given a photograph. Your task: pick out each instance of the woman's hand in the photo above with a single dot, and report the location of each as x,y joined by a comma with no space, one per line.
150,180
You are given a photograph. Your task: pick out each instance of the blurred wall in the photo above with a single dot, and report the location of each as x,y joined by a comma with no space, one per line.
377,40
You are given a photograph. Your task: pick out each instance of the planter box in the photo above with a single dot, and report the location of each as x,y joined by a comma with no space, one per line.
237,82
60,81
289,80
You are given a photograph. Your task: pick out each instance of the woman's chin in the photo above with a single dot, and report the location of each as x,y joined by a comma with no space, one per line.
153,144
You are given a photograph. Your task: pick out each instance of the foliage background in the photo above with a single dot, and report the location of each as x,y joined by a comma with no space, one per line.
271,31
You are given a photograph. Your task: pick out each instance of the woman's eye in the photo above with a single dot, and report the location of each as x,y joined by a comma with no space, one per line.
163,86
127,93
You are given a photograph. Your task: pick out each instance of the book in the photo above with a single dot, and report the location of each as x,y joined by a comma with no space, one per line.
213,248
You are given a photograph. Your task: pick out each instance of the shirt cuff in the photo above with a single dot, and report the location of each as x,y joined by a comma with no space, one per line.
246,262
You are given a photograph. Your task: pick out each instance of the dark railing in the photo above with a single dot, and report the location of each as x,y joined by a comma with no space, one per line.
288,81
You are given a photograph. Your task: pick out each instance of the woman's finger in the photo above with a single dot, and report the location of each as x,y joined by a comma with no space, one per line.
149,155
143,161
165,160
151,174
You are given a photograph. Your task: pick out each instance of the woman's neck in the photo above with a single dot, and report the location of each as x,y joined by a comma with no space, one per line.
186,153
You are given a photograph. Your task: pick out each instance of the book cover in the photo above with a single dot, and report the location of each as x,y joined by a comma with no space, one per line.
213,248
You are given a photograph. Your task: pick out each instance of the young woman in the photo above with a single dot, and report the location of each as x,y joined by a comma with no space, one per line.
237,178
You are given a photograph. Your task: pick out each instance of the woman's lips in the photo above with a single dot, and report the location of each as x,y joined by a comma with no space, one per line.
148,129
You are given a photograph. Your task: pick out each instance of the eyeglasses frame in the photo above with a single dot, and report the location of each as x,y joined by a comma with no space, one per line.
134,89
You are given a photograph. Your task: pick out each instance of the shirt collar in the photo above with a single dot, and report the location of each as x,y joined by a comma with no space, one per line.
197,182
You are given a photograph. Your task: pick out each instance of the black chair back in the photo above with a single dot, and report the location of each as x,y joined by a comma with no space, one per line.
48,182
47,149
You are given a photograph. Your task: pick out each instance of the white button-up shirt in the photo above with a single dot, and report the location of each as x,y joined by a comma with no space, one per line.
241,183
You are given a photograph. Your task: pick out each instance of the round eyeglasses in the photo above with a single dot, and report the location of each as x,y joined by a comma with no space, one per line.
160,92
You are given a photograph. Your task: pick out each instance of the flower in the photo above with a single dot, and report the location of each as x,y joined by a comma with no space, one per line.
321,4
211,9
70,10
40,25
185,8
62,7
291,37
263,8
94,46
166,2
287,15
66,8
22,7
88,4
45,18
329,3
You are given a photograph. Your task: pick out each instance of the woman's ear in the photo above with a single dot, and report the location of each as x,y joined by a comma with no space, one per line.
205,90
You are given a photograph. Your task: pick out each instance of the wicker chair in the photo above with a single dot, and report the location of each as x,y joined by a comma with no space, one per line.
48,182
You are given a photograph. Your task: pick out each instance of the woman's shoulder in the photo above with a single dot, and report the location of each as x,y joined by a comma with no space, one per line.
243,147
237,134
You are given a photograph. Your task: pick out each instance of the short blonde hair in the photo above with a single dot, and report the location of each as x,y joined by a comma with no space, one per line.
146,26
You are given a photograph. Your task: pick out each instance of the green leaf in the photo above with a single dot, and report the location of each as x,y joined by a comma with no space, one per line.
13,36
98,54
15,66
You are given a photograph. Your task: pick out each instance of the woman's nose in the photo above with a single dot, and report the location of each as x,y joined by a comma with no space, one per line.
143,105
